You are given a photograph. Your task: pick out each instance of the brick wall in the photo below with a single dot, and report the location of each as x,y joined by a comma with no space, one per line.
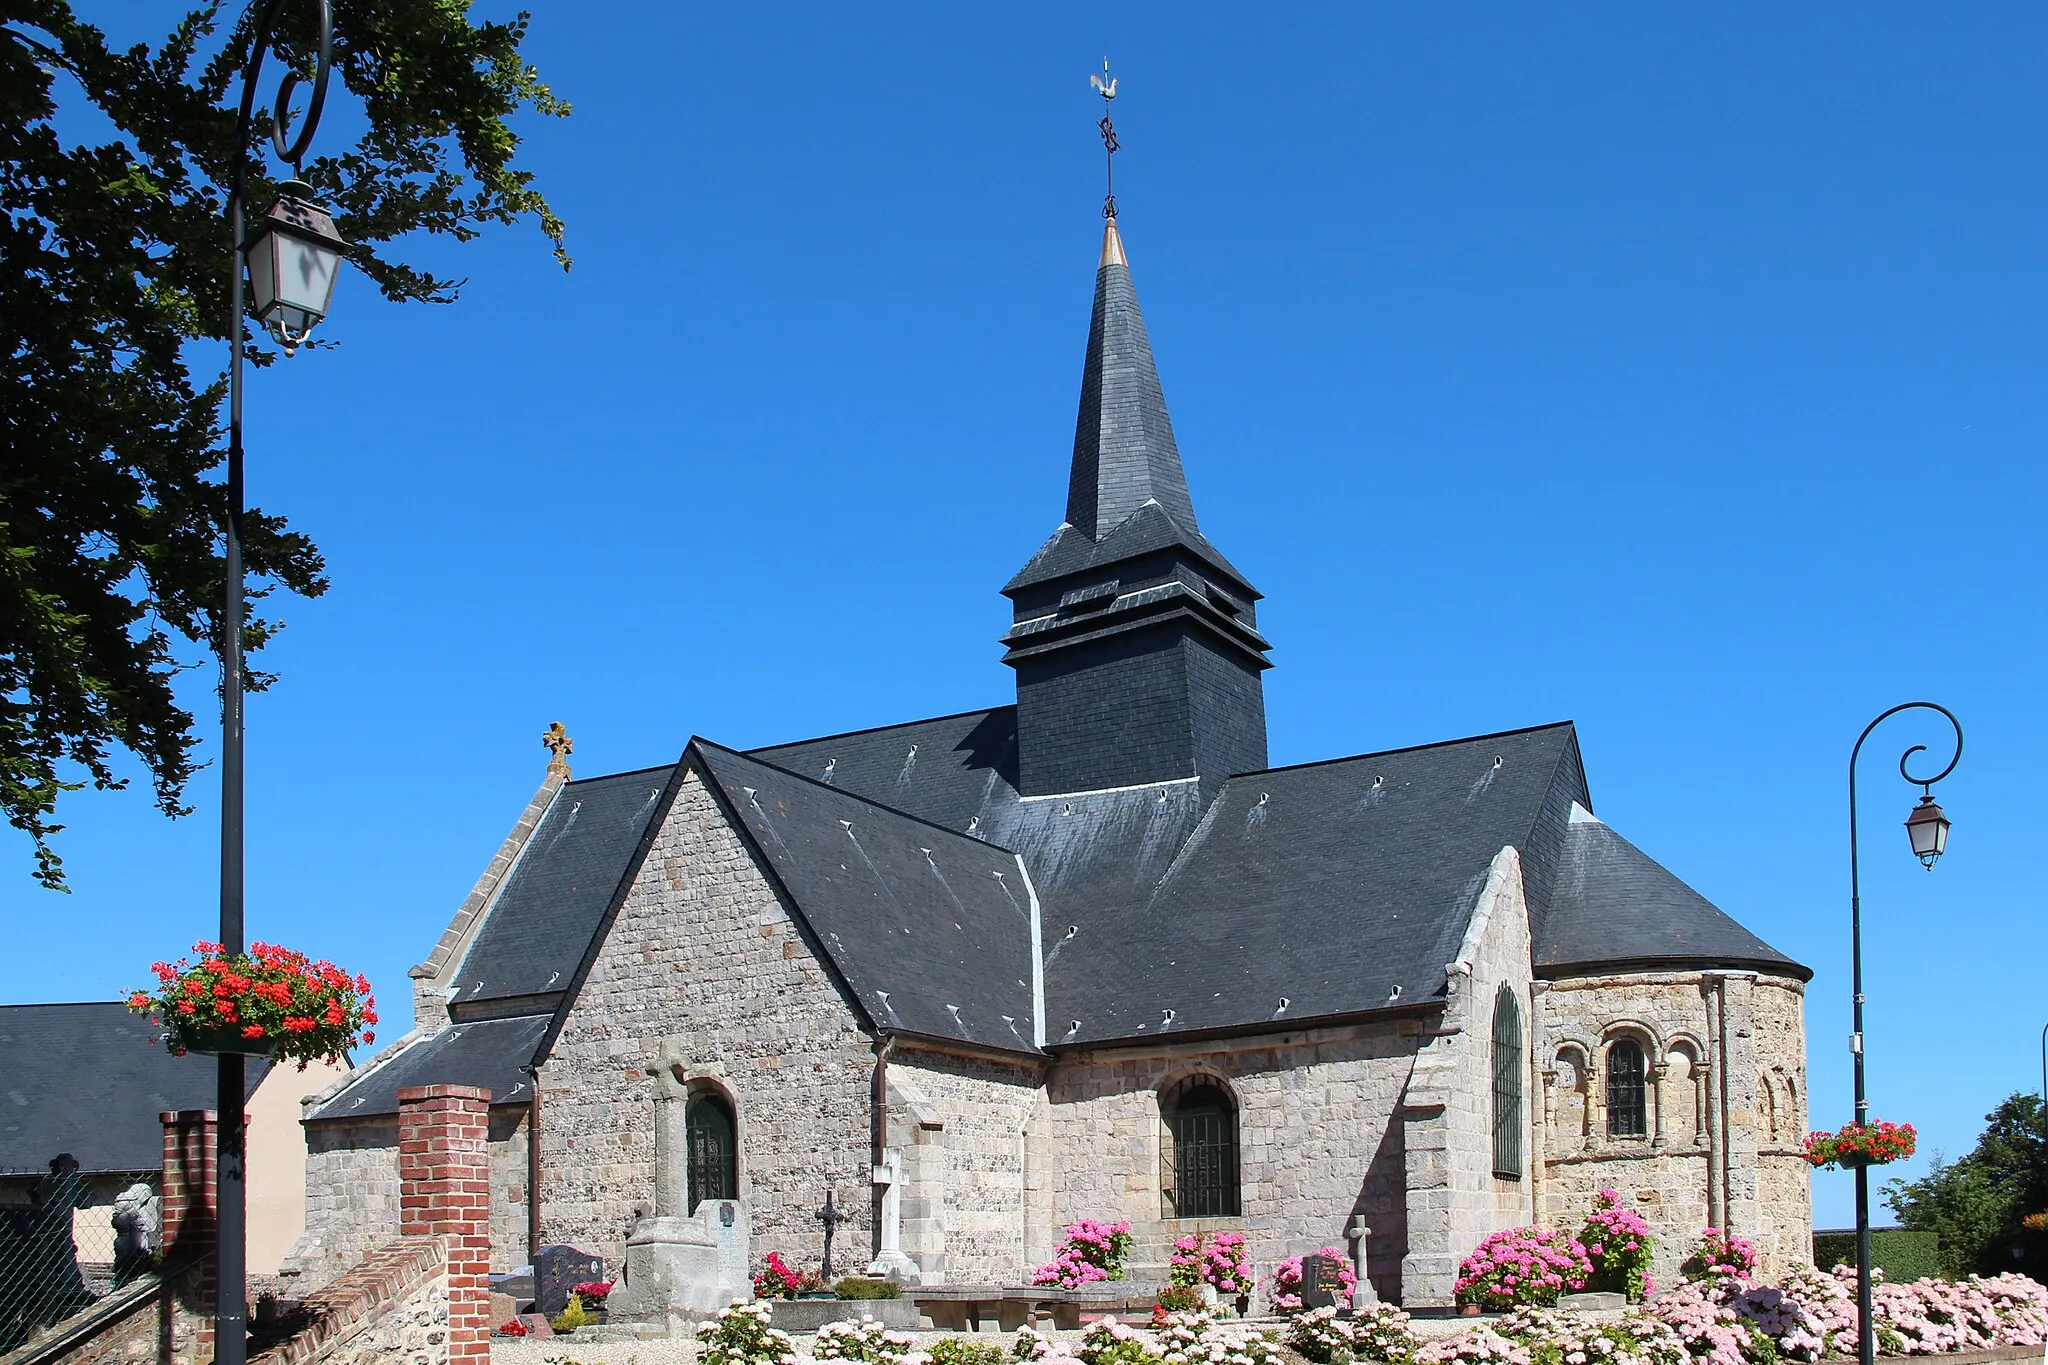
187,1215
445,1192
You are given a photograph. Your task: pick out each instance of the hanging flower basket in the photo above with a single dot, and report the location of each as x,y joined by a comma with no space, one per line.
1862,1144
268,1002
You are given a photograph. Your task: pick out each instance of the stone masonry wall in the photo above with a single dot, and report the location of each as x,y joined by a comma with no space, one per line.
959,1126
705,956
1726,1102
352,1192
1317,1143
1454,1197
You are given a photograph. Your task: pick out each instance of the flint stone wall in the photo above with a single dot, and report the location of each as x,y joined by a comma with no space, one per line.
705,955
960,1128
1317,1144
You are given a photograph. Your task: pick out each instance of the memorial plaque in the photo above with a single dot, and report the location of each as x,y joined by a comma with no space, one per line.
1320,1282
556,1271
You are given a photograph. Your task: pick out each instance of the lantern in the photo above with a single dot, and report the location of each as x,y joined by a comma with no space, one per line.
1927,827
294,254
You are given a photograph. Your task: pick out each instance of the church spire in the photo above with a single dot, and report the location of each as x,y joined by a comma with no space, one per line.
1124,452
1136,643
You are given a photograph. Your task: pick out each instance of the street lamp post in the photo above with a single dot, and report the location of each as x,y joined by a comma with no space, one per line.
1927,828
296,253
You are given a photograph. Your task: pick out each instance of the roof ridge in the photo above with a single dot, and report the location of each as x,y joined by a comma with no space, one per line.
623,772
59,1004
853,795
867,730
1406,749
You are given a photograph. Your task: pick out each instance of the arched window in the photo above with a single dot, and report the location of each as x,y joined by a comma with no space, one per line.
1198,1154
712,1140
1507,1085
1627,1110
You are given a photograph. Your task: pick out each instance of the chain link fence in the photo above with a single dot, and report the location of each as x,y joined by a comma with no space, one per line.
67,1239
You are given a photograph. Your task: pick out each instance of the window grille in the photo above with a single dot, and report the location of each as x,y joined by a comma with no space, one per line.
711,1138
1201,1133
1627,1105
1507,1085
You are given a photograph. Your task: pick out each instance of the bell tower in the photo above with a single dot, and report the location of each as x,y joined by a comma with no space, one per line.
1135,641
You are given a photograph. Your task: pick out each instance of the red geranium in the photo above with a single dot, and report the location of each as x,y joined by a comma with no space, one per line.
1862,1144
304,1010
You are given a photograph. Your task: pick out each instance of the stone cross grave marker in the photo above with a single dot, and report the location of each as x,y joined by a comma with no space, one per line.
555,1270
1320,1283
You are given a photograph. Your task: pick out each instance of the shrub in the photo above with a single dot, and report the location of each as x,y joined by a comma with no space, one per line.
860,1287
1092,1251
1618,1245
866,1340
1522,1266
572,1316
1221,1261
1285,1287
965,1351
740,1335
1030,1344
1188,1338
1179,1298
1903,1254
1721,1256
775,1280
1109,1342
1377,1333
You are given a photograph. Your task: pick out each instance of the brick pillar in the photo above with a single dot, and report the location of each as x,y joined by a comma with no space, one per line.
444,1191
188,1207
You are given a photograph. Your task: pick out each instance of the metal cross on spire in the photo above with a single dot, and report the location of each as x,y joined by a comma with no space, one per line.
1105,86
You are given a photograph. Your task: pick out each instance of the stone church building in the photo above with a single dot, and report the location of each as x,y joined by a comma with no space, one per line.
1087,955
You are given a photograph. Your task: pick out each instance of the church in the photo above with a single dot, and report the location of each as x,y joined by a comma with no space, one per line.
1086,955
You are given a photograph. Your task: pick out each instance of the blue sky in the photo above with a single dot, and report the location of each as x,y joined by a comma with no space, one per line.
1679,373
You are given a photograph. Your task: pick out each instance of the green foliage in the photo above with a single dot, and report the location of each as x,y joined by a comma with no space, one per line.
114,264
1904,1255
1974,1204
858,1287
740,1335
965,1351
1181,1298
572,1316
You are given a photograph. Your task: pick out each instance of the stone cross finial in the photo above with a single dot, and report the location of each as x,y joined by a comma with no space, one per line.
560,745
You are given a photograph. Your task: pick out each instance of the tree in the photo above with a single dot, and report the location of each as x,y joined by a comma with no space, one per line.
113,263
1975,1203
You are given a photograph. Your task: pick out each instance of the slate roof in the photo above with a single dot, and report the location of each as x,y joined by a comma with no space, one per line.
1326,886
560,888
931,930
1614,905
1125,457
88,1079
486,1052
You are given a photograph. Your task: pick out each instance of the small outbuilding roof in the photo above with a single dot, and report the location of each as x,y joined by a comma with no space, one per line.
91,1079
485,1052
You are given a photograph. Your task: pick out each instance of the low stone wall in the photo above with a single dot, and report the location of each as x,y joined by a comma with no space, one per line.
402,1280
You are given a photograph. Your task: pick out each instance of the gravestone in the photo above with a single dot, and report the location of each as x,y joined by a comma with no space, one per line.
1320,1281
556,1271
